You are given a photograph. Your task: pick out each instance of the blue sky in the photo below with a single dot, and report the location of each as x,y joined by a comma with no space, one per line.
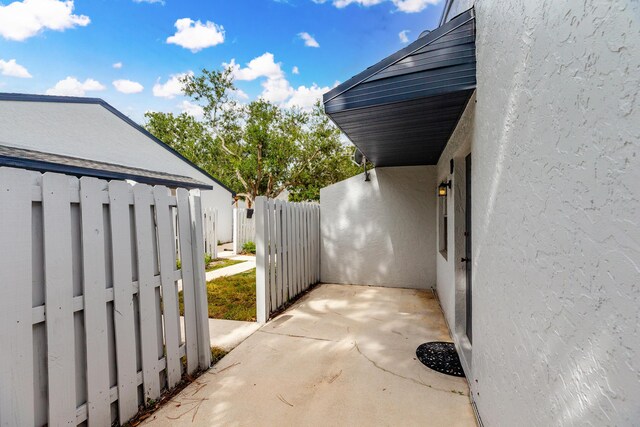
74,48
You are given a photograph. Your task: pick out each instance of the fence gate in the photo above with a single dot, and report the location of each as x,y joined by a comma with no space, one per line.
287,252
89,317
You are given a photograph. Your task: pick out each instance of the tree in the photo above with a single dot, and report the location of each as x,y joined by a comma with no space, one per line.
258,149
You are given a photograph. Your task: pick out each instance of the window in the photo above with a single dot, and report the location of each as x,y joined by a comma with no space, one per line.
443,225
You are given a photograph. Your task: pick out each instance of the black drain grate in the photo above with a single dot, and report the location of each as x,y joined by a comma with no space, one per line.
440,356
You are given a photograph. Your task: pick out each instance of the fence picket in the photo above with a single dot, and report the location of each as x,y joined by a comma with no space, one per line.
272,254
289,263
188,289
202,315
56,206
123,300
262,298
16,405
68,241
168,286
145,234
95,307
278,251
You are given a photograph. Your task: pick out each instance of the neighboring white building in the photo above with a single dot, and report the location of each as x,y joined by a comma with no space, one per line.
527,115
87,136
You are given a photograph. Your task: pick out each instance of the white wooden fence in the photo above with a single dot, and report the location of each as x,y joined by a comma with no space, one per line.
287,252
210,222
244,229
89,320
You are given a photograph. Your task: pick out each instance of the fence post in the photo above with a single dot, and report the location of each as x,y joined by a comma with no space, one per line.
235,230
202,308
262,262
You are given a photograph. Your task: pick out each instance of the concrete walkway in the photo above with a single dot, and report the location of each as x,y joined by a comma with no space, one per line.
231,270
342,355
228,334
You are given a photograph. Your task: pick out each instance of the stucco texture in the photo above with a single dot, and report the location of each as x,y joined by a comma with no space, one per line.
381,232
556,202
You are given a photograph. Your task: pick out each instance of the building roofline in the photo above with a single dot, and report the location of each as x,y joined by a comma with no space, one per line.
24,97
397,56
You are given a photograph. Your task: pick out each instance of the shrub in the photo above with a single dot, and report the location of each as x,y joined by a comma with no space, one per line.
178,264
249,247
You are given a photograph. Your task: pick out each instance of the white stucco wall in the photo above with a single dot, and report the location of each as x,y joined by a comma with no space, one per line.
380,232
556,224
451,279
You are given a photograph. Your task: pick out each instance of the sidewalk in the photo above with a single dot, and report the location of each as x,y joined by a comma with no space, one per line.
249,264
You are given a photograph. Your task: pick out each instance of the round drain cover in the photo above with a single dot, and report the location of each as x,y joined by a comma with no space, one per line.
440,356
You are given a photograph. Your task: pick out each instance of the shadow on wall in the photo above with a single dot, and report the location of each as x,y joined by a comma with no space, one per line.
381,232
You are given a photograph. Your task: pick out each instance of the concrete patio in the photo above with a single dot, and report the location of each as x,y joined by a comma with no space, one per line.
342,355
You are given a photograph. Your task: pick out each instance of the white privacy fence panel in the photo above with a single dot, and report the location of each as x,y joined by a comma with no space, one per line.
89,318
209,223
287,252
244,229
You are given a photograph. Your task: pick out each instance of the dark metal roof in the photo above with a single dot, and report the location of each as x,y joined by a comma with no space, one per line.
402,110
47,162
81,100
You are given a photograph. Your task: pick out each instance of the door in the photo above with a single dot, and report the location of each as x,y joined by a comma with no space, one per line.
467,255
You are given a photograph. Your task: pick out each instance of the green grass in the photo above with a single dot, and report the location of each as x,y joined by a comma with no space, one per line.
222,263
217,353
231,297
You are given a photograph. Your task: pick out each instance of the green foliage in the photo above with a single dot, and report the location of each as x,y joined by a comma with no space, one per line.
257,149
207,259
249,248
178,264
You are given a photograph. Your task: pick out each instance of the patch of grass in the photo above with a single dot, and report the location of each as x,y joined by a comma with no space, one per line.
249,248
231,297
222,263
217,353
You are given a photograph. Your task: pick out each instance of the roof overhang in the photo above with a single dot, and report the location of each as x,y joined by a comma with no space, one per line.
403,110
47,162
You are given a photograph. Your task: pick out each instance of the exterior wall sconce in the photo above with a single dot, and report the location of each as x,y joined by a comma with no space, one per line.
442,188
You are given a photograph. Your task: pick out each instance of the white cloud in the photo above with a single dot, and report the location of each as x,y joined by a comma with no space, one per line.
262,66
403,36
127,86
344,3
191,109
12,69
240,94
306,97
71,86
309,41
295,70
195,36
117,65
23,19
275,87
413,6
171,88
407,6
149,1
276,90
